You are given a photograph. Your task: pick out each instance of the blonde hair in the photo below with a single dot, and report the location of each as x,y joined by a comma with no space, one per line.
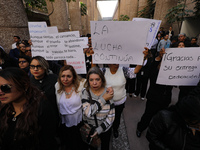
76,79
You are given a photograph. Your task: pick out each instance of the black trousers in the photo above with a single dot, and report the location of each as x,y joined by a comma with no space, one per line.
71,138
118,112
105,141
151,109
130,85
141,85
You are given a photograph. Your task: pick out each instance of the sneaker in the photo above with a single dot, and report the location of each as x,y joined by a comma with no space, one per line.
142,98
130,95
134,95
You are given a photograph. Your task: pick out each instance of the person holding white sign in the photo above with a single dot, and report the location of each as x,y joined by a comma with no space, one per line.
116,78
158,96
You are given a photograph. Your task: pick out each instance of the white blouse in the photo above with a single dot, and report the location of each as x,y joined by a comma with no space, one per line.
70,109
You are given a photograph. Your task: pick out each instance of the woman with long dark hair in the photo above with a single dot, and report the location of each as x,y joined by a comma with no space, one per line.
26,118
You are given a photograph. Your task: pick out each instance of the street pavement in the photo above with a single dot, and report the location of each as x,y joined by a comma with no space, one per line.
132,113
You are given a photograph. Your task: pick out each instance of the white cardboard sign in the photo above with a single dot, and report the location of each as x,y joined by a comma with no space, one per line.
118,42
153,30
180,66
37,28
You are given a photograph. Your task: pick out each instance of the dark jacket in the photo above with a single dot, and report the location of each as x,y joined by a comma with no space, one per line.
14,53
168,131
46,136
157,93
47,86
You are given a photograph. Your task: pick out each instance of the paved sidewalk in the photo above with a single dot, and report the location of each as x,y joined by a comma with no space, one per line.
132,113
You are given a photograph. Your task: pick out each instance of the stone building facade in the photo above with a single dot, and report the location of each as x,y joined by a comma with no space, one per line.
13,21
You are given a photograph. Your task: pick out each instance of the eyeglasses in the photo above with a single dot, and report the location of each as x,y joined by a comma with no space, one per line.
22,62
27,51
37,67
22,47
6,88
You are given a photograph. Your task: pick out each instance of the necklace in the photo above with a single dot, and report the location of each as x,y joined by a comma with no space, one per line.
70,91
14,118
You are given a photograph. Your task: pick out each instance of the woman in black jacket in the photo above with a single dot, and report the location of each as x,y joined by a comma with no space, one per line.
26,119
177,128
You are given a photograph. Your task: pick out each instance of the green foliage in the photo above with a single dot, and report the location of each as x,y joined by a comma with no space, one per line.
36,4
39,4
83,9
196,8
148,11
124,18
178,13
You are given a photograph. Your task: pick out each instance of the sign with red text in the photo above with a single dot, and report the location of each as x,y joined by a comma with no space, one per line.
118,42
180,66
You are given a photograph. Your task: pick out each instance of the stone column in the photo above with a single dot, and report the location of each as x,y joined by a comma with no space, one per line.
128,7
75,16
142,4
59,16
162,6
133,9
90,13
13,21
84,21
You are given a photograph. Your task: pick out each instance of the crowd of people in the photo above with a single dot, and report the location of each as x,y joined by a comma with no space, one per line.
43,104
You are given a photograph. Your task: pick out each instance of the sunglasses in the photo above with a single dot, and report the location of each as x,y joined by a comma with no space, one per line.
27,51
22,62
37,67
6,88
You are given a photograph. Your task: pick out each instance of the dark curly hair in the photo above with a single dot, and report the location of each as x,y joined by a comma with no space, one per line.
27,129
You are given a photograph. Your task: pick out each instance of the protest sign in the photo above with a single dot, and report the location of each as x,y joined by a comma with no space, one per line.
37,28
52,30
180,66
59,46
118,42
153,30
78,62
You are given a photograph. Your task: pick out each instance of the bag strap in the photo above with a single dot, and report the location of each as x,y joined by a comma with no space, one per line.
95,117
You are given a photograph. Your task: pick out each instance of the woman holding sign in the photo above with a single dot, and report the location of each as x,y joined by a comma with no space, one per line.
116,78
158,96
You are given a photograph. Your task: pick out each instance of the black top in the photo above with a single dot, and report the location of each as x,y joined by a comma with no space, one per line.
47,86
46,135
158,93
168,131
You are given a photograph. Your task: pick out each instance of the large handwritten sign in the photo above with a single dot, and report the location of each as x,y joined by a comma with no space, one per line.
180,66
118,42
55,46
153,30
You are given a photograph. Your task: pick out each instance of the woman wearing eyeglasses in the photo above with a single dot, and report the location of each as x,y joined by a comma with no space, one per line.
43,80
27,121
177,128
